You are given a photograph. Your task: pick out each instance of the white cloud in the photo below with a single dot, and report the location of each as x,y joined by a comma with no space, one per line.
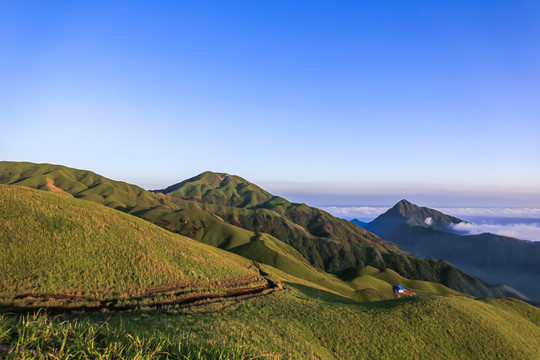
529,231
493,212
374,211
355,211
518,230
429,220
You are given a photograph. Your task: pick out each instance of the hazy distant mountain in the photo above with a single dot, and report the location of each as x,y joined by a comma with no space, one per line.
358,222
495,259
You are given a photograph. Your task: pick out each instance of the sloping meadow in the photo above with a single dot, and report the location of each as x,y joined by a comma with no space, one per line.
57,248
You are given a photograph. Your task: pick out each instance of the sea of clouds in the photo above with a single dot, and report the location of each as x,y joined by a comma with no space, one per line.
519,223
521,231
492,212
356,212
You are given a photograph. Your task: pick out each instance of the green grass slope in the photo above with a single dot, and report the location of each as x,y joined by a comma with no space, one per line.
172,214
221,189
422,328
177,215
79,183
328,243
383,282
227,212
53,244
393,278
299,323
289,266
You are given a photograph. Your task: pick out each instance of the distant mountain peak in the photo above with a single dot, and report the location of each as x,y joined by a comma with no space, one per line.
359,223
419,216
220,188
405,207
210,174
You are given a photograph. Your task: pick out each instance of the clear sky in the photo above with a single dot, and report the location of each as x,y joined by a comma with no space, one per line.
325,102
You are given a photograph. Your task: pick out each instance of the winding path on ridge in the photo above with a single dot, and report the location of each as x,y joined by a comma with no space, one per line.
182,295
53,188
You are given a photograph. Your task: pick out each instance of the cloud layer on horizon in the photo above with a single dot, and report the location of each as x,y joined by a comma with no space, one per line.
355,211
492,212
519,230
374,211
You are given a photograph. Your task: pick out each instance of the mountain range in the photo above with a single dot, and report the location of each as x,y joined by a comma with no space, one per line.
242,271
428,233
231,213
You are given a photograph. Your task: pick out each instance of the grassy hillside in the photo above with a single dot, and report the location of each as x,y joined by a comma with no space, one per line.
328,243
176,215
56,245
221,189
384,281
308,229
79,183
293,268
229,212
306,326
300,323
393,278
59,251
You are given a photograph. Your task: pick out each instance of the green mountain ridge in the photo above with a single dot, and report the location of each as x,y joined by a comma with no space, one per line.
57,249
327,243
421,216
319,236
221,189
60,251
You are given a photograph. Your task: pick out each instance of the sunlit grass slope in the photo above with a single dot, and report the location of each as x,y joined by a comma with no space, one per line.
223,189
230,213
393,278
54,244
300,323
306,324
328,243
366,285
172,214
385,280
79,183
292,266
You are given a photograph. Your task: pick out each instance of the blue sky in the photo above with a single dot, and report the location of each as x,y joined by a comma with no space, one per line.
325,102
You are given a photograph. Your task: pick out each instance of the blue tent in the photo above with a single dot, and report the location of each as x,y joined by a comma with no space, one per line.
397,288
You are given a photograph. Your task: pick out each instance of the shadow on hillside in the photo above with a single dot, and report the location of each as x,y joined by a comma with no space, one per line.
333,298
392,303
321,294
